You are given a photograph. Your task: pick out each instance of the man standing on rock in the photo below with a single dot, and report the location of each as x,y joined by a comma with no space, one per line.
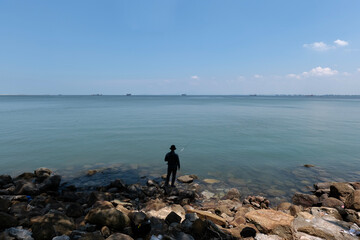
173,164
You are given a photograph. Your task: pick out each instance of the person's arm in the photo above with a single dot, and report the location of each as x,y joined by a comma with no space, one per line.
178,162
166,158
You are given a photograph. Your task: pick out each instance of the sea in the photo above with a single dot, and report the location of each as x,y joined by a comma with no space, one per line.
257,144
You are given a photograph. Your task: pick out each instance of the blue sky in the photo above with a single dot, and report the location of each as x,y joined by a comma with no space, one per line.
174,47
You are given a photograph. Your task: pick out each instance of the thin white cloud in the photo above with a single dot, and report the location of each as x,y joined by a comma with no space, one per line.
194,77
318,46
341,43
258,76
320,72
358,69
292,75
322,47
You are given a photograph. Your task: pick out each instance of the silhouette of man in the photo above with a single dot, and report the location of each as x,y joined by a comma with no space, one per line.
173,164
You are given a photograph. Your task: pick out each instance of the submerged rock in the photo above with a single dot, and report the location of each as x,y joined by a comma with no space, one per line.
185,179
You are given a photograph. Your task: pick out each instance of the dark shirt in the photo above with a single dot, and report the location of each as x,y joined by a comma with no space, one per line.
173,160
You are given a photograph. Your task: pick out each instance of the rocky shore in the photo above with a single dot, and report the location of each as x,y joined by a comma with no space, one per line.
39,206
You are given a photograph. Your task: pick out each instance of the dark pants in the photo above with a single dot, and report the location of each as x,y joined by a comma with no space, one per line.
169,172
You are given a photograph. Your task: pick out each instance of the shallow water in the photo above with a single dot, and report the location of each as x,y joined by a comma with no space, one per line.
258,144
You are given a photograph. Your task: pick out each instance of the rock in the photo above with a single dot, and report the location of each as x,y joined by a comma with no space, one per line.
42,173
261,236
309,165
7,221
108,217
341,190
74,210
323,185
207,194
323,228
50,184
62,237
233,193
4,204
140,223
294,210
43,231
183,236
352,216
331,202
185,179
20,233
59,222
5,180
203,215
119,236
305,200
155,204
91,172
353,200
248,232
199,227
172,217
325,211
284,206
119,184
98,196
105,231
92,236
26,188
210,181
25,176
271,221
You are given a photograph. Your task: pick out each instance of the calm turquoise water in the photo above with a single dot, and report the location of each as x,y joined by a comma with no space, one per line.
253,143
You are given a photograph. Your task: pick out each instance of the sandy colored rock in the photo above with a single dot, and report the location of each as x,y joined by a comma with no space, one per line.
233,193
353,200
203,215
112,218
341,190
305,200
324,211
271,221
210,181
185,179
331,202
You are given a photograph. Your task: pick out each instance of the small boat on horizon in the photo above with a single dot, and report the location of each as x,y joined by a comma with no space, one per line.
128,94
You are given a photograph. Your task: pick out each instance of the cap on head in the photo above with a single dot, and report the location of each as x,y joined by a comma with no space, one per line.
172,147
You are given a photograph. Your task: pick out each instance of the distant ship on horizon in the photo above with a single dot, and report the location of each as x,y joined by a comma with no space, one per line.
128,94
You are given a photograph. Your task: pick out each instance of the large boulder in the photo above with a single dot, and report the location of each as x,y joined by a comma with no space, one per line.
4,180
341,190
42,173
305,200
74,210
26,188
112,218
332,202
4,204
324,227
353,200
271,221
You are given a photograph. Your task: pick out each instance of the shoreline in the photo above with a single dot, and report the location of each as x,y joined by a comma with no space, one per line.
32,201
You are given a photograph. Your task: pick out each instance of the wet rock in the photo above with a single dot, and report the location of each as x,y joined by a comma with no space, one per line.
108,217
305,200
210,181
322,185
74,210
233,193
91,172
98,196
183,236
185,179
151,183
271,221
331,202
7,221
295,209
341,190
119,184
284,206
352,216
199,228
207,194
119,236
309,165
172,217
353,200
50,184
